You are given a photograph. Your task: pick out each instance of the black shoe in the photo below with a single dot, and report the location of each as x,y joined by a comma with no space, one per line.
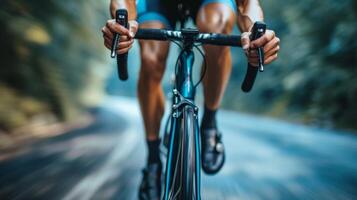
213,155
150,187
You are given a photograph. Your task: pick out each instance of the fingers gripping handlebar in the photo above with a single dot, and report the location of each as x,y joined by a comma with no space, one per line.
257,31
121,17
205,38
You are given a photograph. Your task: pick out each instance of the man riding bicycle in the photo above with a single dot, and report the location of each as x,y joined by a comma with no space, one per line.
216,16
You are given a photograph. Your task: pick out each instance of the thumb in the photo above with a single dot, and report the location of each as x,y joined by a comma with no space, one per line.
133,28
245,40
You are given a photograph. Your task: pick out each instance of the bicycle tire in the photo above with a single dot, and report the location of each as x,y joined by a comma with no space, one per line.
185,172
189,154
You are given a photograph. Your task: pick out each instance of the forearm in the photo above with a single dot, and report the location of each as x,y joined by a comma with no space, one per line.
130,5
249,11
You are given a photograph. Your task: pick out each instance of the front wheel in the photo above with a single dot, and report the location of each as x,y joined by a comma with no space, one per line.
183,175
190,155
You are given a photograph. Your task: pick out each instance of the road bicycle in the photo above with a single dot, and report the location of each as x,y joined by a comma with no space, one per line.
183,164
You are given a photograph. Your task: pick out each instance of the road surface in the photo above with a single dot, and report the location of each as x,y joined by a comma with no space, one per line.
266,159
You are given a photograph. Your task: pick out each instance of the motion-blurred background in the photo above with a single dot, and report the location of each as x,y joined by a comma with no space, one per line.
53,62
54,70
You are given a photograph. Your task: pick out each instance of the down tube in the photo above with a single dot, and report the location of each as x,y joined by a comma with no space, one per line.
184,81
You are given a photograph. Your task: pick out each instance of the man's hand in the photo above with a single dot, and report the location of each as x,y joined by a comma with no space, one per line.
126,35
268,41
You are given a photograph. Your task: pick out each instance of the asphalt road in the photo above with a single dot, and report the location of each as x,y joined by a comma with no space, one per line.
266,159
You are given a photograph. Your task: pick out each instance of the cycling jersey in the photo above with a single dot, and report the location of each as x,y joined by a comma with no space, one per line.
167,12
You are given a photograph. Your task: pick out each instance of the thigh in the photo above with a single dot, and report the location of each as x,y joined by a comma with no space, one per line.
153,55
151,49
216,16
153,14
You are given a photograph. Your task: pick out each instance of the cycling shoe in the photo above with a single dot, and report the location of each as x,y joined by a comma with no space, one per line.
150,187
213,154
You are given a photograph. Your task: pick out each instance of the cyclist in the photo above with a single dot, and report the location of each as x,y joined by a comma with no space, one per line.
216,16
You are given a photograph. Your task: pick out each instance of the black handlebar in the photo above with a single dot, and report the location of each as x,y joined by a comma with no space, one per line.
203,38
257,31
121,17
152,34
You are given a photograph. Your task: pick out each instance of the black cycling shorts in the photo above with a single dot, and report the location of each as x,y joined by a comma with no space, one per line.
166,11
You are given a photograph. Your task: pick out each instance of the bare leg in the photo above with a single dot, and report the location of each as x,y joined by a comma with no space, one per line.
218,18
150,93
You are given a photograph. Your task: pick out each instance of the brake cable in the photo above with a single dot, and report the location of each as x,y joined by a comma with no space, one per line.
204,65
196,46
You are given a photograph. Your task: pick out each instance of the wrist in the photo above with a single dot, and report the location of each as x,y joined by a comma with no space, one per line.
245,23
250,27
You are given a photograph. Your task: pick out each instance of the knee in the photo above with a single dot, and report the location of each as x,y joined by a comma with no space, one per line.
215,18
152,67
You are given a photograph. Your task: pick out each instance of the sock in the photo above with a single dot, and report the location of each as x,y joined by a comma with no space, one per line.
209,118
154,151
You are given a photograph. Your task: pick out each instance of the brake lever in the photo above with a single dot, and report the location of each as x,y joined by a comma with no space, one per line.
121,17
258,30
261,59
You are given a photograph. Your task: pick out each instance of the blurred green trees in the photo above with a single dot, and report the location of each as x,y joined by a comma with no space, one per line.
321,76
315,77
49,58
